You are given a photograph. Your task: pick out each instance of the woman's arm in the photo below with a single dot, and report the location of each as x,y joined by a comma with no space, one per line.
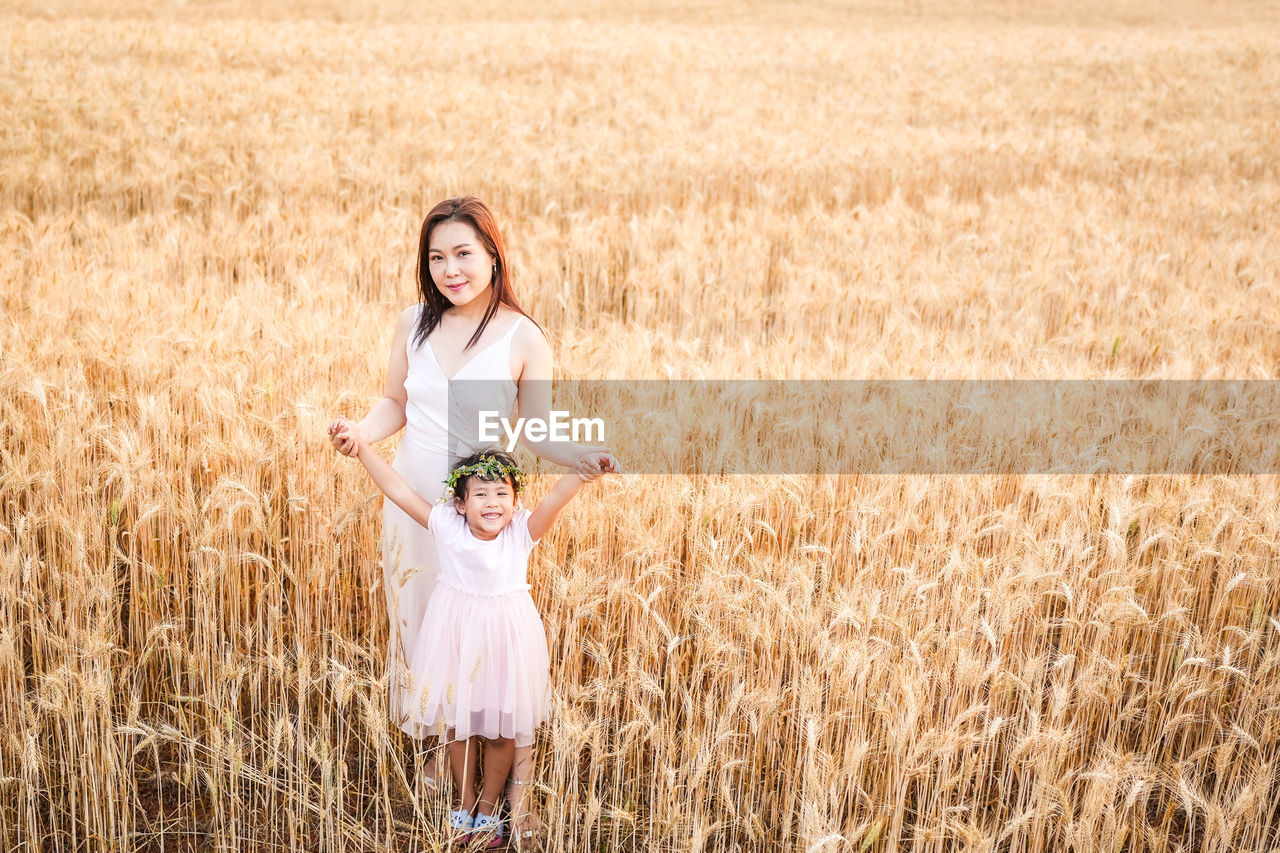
548,509
386,417
392,484
533,398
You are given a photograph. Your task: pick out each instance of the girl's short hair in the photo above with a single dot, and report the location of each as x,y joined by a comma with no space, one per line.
492,465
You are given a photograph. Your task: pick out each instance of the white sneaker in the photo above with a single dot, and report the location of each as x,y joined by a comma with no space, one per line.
486,824
461,822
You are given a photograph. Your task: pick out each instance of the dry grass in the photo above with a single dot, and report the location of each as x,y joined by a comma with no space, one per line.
209,216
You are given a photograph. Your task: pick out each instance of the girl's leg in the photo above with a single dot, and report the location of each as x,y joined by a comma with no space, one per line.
464,755
498,753
520,794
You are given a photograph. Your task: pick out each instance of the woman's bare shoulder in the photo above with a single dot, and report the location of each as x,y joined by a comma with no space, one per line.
531,356
404,325
406,321
528,337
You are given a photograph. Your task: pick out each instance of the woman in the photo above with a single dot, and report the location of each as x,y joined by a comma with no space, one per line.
468,325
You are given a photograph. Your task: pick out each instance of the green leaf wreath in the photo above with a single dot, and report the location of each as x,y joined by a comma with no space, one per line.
488,468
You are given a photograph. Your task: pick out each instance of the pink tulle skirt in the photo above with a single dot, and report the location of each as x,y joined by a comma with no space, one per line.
480,666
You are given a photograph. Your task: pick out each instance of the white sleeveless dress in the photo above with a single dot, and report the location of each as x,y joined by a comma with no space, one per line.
426,452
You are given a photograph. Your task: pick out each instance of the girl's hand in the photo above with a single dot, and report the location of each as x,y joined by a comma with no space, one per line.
595,462
345,436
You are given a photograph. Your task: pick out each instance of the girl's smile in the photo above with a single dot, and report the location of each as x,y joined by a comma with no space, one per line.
488,507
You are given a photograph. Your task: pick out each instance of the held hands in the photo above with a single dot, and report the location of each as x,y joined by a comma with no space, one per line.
592,465
345,436
595,463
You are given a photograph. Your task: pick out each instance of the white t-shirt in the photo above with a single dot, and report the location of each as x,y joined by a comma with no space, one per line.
484,567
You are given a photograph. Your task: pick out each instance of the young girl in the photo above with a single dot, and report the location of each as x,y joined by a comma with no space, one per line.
480,664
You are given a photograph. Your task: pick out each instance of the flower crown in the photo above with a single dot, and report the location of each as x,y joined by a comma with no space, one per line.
488,468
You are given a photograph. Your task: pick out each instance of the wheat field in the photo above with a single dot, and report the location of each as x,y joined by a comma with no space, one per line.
209,216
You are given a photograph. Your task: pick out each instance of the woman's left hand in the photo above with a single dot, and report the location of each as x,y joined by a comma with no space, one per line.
595,462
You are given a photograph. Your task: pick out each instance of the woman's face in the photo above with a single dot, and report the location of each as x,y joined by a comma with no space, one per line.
460,266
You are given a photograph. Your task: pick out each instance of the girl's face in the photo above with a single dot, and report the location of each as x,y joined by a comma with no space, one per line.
488,506
460,266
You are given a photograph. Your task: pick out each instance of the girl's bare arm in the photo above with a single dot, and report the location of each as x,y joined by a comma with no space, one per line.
393,485
545,514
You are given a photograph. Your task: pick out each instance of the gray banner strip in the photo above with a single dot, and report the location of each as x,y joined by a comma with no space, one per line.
898,426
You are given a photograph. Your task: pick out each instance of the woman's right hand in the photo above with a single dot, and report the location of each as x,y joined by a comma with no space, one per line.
345,436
